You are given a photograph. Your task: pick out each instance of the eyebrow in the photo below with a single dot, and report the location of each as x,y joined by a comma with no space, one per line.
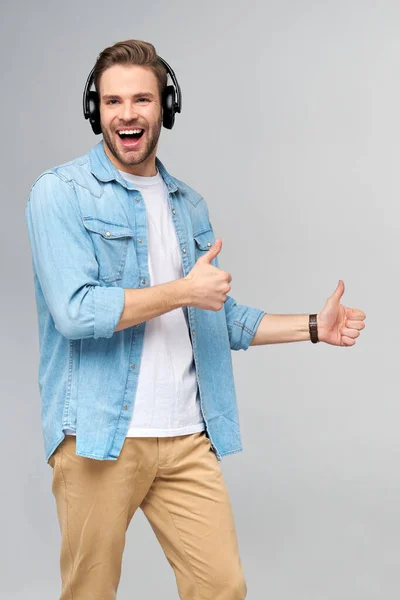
138,95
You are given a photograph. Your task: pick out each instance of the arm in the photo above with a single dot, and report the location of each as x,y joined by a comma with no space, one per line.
338,325
66,266
144,304
279,329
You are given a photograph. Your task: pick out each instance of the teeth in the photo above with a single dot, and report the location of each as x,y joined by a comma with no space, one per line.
130,131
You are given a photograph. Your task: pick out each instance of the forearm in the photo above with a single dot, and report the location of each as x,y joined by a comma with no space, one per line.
146,303
279,329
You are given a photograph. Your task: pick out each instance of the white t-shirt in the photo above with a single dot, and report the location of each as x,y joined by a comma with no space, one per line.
167,400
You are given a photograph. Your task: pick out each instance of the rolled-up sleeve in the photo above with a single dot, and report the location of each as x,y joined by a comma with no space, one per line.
65,263
242,322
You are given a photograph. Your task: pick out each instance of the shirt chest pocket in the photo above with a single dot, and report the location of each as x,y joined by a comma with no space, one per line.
203,242
111,243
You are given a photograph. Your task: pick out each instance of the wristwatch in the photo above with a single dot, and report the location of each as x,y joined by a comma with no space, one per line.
313,327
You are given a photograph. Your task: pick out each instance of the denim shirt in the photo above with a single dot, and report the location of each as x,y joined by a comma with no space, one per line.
88,237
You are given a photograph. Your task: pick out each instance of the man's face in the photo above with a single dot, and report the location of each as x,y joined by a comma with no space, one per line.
130,100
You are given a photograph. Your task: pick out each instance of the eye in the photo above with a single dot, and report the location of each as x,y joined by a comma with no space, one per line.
145,99
111,101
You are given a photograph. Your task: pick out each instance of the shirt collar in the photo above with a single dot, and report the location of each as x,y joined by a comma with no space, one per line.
104,170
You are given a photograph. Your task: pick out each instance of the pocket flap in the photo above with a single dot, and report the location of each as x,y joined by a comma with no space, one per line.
204,240
106,229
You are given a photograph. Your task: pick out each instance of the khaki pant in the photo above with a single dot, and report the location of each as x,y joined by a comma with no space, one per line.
178,484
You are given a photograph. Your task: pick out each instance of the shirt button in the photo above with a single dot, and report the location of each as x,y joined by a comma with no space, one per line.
137,199
140,240
108,233
133,366
173,211
171,185
183,249
208,243
144,282
126,407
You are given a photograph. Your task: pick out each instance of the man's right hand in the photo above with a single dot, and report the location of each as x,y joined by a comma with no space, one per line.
208,284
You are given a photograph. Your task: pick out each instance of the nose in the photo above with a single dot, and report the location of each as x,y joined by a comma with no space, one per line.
128,112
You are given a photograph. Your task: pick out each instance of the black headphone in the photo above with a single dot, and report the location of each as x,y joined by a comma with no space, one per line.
170,103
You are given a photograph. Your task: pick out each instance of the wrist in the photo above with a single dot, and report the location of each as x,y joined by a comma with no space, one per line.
184,291
313,328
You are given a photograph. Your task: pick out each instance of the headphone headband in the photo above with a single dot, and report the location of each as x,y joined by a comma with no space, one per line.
172,103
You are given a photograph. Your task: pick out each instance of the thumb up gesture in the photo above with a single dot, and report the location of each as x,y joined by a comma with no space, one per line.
208,284
339,325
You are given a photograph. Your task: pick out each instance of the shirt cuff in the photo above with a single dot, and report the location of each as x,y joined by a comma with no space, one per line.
108,306
244,326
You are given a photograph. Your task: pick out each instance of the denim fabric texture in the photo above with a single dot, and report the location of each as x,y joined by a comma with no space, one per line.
83,221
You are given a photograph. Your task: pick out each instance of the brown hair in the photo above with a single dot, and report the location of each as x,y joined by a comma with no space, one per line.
131,52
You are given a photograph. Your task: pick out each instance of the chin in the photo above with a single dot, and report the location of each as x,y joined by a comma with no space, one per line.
136,160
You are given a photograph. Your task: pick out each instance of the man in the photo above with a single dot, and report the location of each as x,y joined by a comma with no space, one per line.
136,329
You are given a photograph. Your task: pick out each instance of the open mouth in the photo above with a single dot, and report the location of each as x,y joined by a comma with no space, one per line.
130,137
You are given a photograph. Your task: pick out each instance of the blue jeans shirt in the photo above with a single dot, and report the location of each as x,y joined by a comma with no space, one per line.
84,221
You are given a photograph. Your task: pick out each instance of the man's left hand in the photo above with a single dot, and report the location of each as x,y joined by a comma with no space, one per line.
339,325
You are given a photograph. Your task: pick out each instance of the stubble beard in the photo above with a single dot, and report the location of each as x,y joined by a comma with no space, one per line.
133,157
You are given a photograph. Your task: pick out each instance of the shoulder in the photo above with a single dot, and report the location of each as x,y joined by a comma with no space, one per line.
192,196
196,206
66,175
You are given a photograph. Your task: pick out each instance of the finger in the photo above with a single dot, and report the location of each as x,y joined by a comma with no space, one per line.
355,324
351,333
213,251
356,313
339,289
347,341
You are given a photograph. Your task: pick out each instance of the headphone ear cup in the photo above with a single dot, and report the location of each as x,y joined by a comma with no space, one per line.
169,107
94,111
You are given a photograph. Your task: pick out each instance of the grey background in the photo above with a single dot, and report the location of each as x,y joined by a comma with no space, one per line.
290,130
